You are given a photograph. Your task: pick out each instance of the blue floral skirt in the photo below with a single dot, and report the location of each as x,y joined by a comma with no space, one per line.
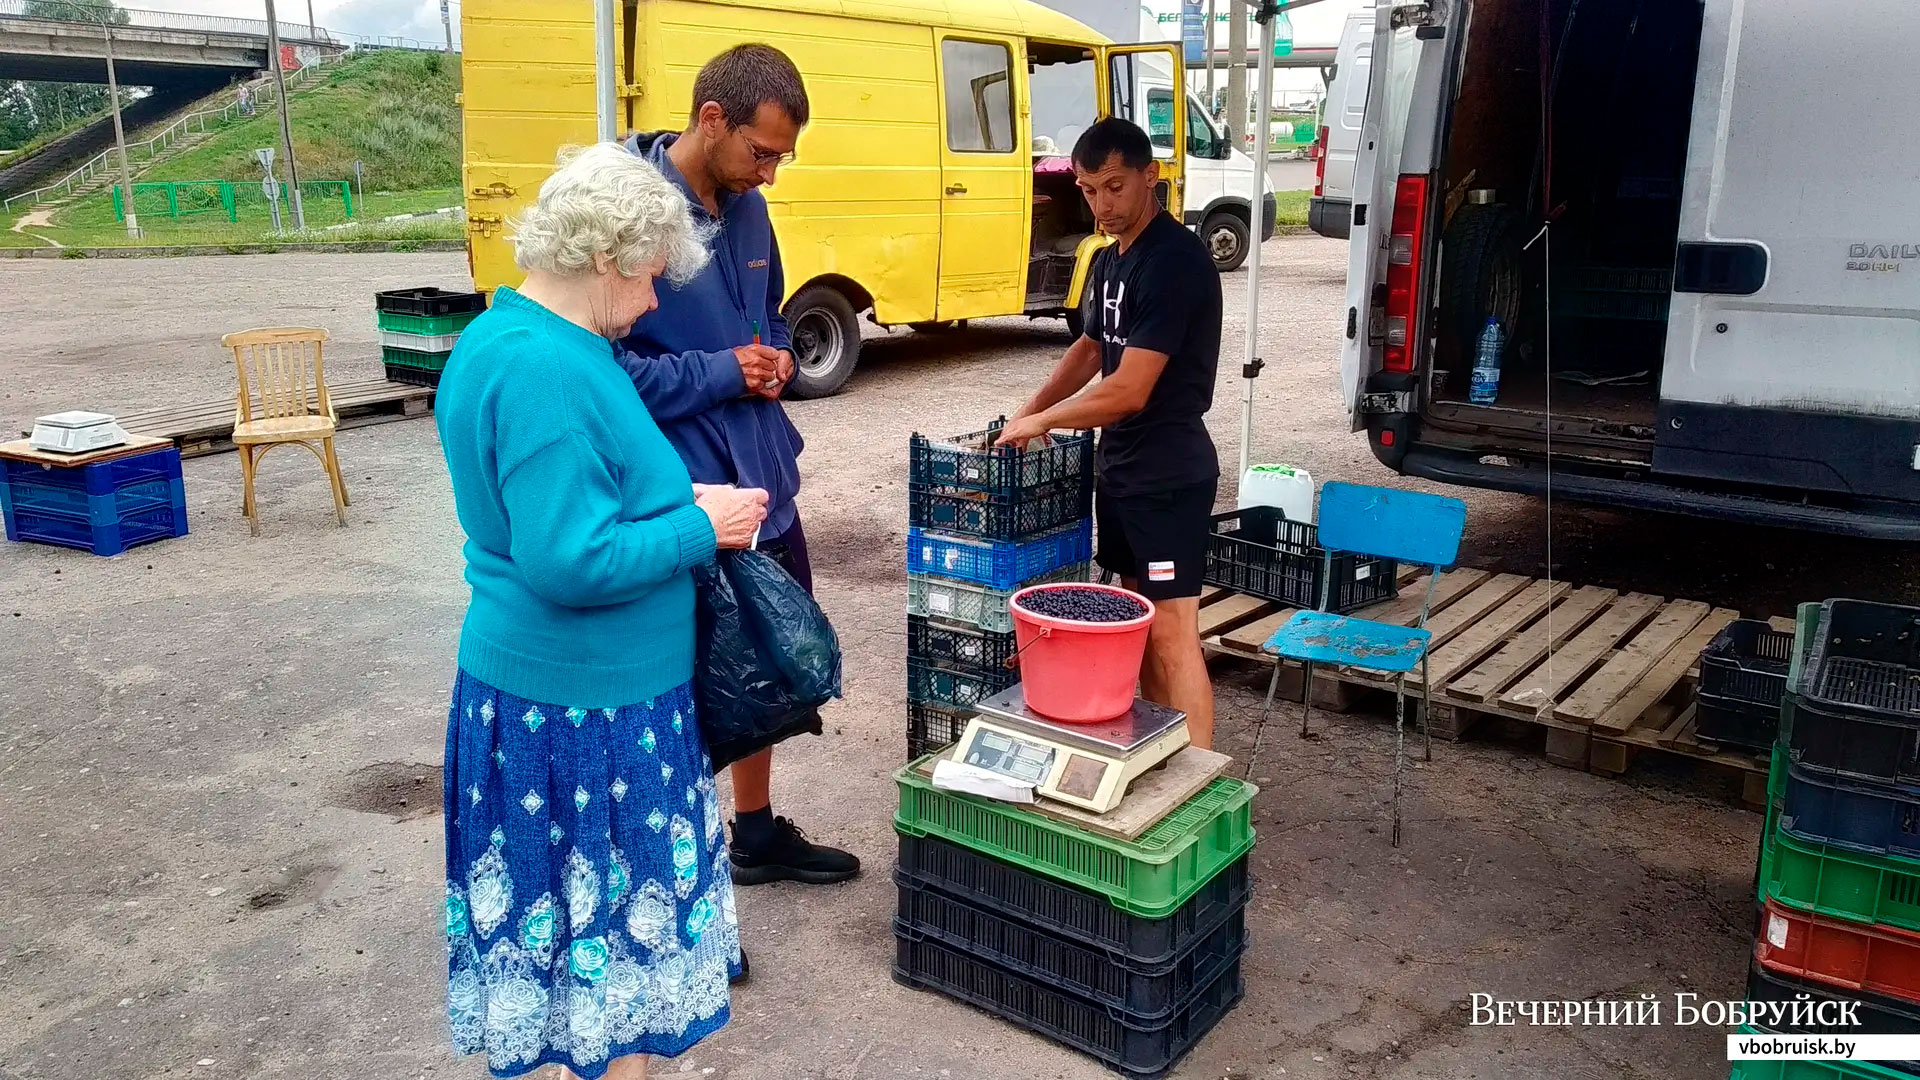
589,910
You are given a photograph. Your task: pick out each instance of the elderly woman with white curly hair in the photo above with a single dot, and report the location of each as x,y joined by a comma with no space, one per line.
589,907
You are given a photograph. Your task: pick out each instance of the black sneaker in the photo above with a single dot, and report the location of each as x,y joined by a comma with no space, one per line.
787,856
746,971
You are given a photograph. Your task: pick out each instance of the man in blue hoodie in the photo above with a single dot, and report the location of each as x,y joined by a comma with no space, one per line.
711,360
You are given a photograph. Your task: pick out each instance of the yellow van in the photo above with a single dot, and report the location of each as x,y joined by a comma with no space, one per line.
931,186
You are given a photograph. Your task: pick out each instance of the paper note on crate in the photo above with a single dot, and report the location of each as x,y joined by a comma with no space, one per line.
950,775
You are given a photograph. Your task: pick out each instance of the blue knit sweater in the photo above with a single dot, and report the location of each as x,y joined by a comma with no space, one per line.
581,528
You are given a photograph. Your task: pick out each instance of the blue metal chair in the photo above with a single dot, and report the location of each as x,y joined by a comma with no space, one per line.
1408,527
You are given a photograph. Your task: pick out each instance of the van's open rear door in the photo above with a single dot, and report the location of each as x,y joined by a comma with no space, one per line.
1126,73
1394,210
1793,343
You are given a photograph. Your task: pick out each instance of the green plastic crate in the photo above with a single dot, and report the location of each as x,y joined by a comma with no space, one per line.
1811,1070
1149,877
426,324
1828,880
425,361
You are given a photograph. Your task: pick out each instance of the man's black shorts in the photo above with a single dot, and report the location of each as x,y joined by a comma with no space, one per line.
1158,539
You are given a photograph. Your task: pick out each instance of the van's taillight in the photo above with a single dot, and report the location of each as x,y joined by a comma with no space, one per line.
1320,162
1405,245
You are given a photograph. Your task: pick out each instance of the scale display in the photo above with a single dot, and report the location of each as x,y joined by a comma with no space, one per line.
1010,756
1084,765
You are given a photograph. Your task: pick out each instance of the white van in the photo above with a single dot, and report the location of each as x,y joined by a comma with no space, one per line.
1330,210
1218,198
1723,318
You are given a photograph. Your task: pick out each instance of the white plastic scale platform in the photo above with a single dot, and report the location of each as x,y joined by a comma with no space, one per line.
76,432
1085,765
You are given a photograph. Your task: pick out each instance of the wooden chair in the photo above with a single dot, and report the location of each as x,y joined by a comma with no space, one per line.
283,399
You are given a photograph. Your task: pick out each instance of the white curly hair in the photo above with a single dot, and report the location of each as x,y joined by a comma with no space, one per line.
604,200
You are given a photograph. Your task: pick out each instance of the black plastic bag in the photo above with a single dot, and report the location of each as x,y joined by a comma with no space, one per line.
766,657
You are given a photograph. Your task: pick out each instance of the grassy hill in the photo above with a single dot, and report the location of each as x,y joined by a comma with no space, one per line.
394,111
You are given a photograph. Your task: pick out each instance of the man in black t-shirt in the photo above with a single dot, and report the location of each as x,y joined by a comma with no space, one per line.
1152,314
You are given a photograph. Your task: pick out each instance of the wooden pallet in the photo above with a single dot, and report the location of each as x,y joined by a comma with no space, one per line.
1607,674
207,427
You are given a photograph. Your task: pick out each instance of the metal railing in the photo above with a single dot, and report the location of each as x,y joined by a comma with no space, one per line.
168,20
249,98
371,42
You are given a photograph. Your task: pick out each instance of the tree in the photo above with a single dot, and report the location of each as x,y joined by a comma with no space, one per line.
77,11
16,116
39,108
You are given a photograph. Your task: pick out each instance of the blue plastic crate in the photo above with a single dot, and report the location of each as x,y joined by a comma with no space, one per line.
112,538
972,462
1861,815
55,500
99,478
997,564
999,515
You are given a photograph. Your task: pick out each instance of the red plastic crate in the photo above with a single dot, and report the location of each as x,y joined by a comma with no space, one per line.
1874,959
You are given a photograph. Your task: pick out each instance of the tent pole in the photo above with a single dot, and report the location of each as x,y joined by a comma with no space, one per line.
1262,141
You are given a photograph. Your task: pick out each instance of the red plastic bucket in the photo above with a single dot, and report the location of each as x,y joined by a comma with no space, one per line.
1079,672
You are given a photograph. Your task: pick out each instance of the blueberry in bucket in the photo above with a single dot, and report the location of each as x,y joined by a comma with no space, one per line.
1083,604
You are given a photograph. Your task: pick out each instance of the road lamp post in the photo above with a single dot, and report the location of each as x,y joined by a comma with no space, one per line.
119,130
286,127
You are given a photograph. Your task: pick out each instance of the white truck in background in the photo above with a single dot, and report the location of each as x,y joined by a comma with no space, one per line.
1330,210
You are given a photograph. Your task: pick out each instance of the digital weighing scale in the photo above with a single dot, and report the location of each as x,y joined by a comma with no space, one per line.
76,432
1084,765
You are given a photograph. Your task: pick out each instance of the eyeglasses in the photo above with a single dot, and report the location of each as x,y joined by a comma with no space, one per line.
763,156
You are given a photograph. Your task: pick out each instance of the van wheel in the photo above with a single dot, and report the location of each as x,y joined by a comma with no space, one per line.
1228,239
1076,324
1480,271
826,340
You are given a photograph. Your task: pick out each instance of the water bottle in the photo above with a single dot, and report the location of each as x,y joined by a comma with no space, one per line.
1486,365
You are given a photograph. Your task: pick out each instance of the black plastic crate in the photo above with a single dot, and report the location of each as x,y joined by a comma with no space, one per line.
1145,992
1852,705
972,462
1736,723
1075,913
1259,552
412,376
429,301
931,727
935,684
1844,745
1864,658
1747,661
1743,675
999,515
1122,1042
958,646
1865,816
1876,1014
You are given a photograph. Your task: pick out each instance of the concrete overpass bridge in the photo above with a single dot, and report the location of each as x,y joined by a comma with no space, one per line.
153,48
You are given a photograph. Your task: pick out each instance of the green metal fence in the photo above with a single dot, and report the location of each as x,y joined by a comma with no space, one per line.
184,198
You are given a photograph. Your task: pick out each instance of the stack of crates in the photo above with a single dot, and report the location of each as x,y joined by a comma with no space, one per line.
1125,950
985,521
418,328
104,507
1839,880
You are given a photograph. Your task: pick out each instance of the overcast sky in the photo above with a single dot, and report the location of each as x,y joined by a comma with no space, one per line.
374,18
